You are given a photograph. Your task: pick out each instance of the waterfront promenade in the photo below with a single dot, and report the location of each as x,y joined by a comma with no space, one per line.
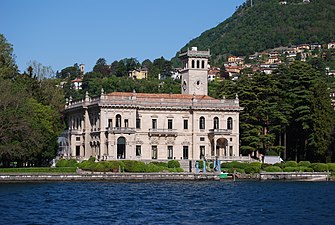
109,176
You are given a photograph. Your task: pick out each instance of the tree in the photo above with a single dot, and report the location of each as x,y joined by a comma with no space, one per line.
8,68
101,67
36,69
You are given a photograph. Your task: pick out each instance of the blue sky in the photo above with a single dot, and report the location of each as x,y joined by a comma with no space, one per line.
59,33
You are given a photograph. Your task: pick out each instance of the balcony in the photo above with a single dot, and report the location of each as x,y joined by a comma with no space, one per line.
220,131
163,132
121,130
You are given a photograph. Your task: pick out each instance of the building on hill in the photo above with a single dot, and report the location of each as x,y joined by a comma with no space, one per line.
139,73
77,83
140,126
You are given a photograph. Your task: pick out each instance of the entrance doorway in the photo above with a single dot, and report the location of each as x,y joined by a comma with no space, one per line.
221,147
121,148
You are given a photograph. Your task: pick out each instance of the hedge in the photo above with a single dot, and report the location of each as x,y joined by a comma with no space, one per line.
290,164
331,167
173,164
273,169
304,163
319,167
128,166
66,163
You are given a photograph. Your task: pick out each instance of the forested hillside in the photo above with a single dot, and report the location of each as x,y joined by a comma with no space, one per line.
268,24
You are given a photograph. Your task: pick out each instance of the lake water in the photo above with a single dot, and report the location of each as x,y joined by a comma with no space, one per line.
167,202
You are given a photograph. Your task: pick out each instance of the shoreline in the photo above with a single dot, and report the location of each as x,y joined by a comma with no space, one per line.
109,176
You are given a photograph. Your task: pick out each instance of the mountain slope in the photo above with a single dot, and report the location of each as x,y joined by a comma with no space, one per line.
268,24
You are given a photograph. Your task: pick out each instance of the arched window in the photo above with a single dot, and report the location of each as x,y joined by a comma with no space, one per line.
230,123
193,64
118,120
216,123
198,64
202,123
202,64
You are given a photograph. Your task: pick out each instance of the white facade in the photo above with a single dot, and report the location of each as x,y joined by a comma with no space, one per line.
139,126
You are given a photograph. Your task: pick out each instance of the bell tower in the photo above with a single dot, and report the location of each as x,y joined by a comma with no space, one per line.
194,75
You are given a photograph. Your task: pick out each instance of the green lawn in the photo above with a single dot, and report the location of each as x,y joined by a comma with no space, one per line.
39,170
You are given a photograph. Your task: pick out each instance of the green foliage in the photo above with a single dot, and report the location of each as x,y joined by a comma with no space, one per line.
92,159
304,163
291,169
234,164
331,167
66,163
134,166
305,169
87,165
152,168
273,169
173,164
162,164
231,170
39,170
175,170
127,166
253,168
319,167
290,164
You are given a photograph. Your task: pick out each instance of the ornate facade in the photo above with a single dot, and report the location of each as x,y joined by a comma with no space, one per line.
139,126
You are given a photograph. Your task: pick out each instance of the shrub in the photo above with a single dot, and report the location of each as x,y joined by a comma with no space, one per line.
265,165
234,164
87,165
151,167
291,169
201,164
273,169
134,166
173,164
290,164
163,164
281,165
91,159
331,167
178,170
252,168
305,169
66,163
304,163
231,170
319,167
101,167
115,165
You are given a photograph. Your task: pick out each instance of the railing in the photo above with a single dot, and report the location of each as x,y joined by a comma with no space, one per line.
121,130
163,132
220,131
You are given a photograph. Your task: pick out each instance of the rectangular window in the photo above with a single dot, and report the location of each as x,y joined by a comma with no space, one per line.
170,124
202,139
77,138
138,123
138,150
185,152
77,150
230,150
154,151
154,123
126,123
202,152
110,123
170,152
185,124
